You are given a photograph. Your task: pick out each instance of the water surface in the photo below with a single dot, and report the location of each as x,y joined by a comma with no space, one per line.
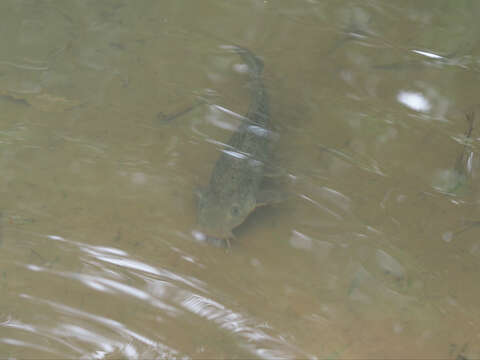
374,254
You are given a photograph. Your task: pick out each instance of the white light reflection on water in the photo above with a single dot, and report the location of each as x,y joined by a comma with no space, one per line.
216,118
107,254
20,343
14,324
106,285
257,341
85,335
127,263
320,206
428,54
172,293
64,332
414,100
235,154
229,112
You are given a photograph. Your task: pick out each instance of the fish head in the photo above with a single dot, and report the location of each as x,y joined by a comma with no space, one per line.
217,217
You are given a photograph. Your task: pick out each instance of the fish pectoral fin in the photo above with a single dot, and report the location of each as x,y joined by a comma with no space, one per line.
269,197
167,118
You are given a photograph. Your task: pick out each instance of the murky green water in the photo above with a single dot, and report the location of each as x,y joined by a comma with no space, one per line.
372,255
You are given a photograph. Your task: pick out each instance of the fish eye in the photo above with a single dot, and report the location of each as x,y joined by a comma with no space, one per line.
235,210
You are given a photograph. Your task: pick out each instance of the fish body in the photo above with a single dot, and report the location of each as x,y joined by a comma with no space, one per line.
234,189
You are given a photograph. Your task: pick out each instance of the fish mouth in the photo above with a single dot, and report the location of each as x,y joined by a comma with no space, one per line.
220,239
218,242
